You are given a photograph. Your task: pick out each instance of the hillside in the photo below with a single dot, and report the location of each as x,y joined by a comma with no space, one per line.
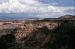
37,34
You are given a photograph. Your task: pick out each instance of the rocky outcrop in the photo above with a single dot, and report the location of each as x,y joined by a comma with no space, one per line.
61,37
27,28
39,34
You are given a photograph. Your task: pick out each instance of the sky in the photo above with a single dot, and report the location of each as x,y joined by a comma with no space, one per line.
38,8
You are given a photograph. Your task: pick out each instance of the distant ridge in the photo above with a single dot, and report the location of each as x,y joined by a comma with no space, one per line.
23,16
68,17
65,17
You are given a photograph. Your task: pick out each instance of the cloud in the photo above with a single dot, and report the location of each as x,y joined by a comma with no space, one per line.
31,6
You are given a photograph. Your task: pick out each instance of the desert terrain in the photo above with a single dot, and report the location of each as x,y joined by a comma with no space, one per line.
49,33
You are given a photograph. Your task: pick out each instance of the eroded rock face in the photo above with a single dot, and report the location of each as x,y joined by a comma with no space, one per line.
58,38
42,35
27,28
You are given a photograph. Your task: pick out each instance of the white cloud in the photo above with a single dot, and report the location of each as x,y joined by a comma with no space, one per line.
30,6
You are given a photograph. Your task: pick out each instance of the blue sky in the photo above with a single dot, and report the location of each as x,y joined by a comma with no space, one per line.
38,8
59,2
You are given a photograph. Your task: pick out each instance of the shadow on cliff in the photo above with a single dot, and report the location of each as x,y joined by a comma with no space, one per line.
62,37
8,40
